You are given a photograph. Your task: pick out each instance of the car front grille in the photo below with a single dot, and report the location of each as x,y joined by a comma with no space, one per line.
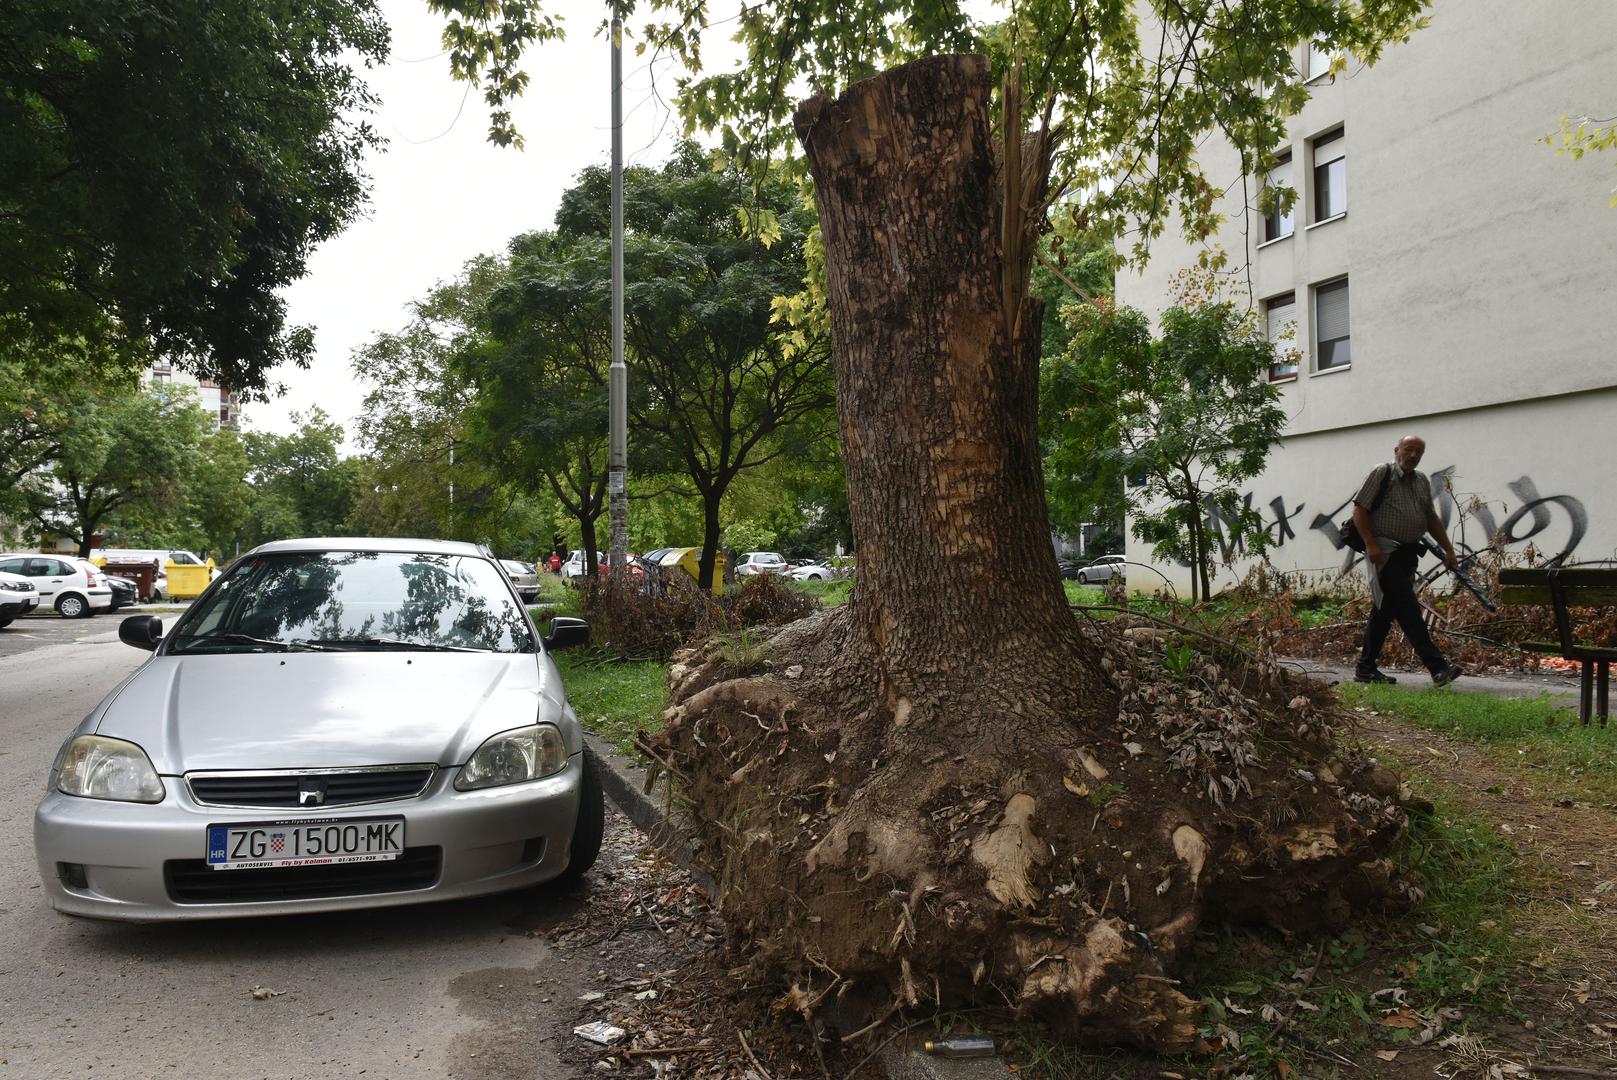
193,881
286,789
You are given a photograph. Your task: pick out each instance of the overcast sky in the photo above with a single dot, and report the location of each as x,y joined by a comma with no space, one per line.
441,193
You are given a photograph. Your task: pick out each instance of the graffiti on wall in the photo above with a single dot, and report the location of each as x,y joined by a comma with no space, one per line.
1535,516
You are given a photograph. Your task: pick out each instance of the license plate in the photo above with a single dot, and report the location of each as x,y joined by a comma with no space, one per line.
322,842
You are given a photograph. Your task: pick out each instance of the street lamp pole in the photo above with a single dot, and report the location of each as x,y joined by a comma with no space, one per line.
618,461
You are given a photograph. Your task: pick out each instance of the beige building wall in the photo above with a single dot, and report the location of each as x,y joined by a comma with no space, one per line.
1481,270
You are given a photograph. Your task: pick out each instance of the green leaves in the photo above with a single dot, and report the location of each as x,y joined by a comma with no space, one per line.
169,166
1188,416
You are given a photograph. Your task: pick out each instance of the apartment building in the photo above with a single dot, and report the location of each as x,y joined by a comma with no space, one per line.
222,404
1443,273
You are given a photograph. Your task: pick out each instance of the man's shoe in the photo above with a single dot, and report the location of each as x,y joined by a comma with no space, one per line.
1374,675
1445,675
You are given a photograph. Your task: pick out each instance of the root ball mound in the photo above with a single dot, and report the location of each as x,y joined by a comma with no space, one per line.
1050,850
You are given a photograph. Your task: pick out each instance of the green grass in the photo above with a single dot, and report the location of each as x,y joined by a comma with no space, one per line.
831,593
1083,594
1457,948
1518,733
616,699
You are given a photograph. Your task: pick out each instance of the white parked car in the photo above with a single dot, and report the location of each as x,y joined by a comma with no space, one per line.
334,724
17,597
1104,568
761,562
76,589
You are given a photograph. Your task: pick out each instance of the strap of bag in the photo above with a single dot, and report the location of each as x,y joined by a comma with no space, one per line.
1381,492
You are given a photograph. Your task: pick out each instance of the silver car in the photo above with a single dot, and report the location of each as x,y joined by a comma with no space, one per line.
333,724
524,579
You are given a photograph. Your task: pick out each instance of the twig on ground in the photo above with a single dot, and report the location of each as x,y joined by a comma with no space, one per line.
750,1056
884,1045
1308,980
664,1051
874,1024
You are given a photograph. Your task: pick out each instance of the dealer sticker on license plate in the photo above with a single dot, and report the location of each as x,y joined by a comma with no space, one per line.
322,842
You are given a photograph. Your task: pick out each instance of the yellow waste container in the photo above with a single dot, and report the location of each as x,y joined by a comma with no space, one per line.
187,582
690,561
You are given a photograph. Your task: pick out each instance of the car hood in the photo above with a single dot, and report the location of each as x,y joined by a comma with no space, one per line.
326,710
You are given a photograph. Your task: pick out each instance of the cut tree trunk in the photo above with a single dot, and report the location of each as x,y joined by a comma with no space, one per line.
950,788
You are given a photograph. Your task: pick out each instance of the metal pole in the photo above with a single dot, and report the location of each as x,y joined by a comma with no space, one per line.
618,462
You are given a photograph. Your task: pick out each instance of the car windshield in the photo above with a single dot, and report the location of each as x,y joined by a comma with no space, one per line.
357,600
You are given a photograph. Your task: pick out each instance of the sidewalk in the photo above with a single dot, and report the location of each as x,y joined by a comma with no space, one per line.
1562,689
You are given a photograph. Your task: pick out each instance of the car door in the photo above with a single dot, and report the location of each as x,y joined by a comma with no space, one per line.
48,576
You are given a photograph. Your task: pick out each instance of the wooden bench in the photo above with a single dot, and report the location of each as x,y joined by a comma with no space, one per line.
1589,587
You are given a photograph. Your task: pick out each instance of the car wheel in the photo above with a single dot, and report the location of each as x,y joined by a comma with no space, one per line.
5,622
71,606
591,824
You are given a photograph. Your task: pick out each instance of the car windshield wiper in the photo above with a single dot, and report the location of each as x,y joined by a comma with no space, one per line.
191,641
389,643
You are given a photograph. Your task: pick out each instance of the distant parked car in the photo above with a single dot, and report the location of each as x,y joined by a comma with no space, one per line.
1102,569
74,588
17,597
762,562
525,579
831,569
124,592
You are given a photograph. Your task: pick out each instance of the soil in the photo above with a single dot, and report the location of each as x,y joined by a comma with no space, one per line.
640,949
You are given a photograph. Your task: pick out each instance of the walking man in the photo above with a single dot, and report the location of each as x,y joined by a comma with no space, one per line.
1393,512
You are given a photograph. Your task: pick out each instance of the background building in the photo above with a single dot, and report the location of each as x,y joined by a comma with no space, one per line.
221,404
1443,273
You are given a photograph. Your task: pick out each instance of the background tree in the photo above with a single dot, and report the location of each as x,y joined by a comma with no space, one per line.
414,421
302,486
130,448
912,820
1192,417
539,415
1082,484
717,390
169,167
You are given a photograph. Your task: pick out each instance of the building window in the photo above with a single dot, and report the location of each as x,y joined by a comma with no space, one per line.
1275,223
1331,339
1281,312
1330,175
1319,61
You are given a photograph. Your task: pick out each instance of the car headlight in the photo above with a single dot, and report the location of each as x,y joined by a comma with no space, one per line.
96,767
511,757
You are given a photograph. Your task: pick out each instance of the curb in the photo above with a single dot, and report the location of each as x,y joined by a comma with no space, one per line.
624,782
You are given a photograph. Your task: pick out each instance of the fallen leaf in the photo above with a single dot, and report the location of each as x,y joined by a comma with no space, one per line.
1402,1018
1134,749
1075,787
264,993
1387,1055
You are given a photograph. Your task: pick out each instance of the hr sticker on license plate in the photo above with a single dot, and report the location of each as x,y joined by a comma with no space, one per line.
258,845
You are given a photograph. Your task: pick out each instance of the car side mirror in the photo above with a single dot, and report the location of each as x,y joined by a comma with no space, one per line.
566,632
141,631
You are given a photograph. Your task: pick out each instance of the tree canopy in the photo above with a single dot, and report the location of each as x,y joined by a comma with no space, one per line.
1132,88
168,167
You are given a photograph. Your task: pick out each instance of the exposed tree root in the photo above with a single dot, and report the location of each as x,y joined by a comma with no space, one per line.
1045,848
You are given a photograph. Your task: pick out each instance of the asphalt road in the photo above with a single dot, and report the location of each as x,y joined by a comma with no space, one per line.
446,990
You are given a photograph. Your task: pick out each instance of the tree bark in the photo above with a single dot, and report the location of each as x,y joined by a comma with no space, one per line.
950,783
937,398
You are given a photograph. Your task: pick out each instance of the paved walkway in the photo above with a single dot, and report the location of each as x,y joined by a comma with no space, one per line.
1562,689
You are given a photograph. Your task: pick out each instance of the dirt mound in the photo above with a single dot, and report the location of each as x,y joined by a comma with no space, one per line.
1028,855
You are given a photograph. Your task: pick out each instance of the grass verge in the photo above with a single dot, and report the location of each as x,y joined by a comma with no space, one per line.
830,593
1573,761
616,699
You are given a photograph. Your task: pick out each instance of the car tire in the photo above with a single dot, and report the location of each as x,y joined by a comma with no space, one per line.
6,621
590,826
72,606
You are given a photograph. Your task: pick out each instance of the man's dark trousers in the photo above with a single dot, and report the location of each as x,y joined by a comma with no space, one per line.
1398,602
